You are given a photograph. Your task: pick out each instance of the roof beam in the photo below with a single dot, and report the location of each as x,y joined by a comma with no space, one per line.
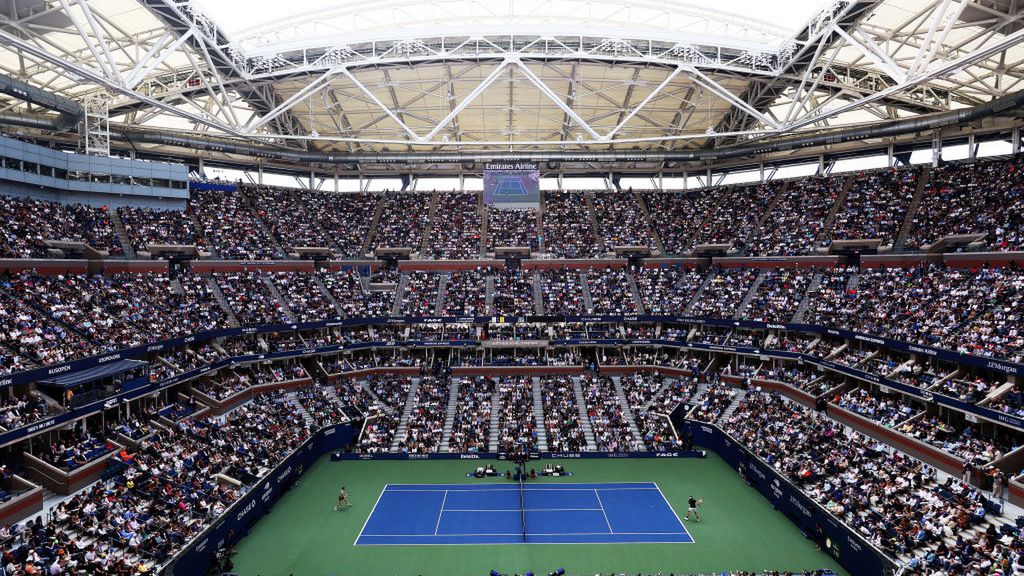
468,99
547,91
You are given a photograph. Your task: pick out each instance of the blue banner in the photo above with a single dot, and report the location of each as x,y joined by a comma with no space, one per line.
198,556
851,550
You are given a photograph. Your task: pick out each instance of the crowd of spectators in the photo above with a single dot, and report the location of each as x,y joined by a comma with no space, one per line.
287,218
347,290
465,293
420,295
804,377
725,292
986,197
568,229
507,227
964,442
455,229
303,297
779,295
562,292
472,422
345,217
145,226
894,501
956,308
610,291
517,425
605,410
513,293
403,220
621,221
970,390
717,397
678,215
323,407
888,410
798,219
735,218
562,415
425,426
30,335
166,493
667,290
17,411
876,205
251,299
231,227
29,223
88,305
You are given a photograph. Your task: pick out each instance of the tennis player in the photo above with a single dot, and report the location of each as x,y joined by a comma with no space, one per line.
693,504
342,499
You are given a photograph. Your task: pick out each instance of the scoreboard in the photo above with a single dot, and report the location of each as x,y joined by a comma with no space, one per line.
512,184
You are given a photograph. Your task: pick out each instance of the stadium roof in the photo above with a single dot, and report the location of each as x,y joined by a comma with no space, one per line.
356,77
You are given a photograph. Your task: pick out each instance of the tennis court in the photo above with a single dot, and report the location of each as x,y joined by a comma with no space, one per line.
434,514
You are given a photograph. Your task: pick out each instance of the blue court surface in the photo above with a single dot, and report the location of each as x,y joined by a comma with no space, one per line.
628,513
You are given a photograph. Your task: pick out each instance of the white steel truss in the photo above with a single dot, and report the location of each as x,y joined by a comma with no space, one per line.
565,87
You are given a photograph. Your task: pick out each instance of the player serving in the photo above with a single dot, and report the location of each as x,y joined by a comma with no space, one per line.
693,504
343,499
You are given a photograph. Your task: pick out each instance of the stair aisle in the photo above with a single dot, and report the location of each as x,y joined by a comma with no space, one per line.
492,436
915,203
122,234
293,399
809,294
538,414
222,300
538,293
642,205
489,295
371,230
319,283
288,313
581,405
627,412
376,399
740,395
403,420
449,417
588,300
749,295
635,292
700,292
442,287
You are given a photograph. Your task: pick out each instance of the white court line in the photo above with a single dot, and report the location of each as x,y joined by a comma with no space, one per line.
440,512
518,509
367,521
528,533
681,525
559,489
654,486
605,514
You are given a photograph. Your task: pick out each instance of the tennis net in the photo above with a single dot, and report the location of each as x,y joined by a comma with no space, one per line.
522,503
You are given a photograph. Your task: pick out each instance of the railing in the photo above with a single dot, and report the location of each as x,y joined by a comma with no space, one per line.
925,395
